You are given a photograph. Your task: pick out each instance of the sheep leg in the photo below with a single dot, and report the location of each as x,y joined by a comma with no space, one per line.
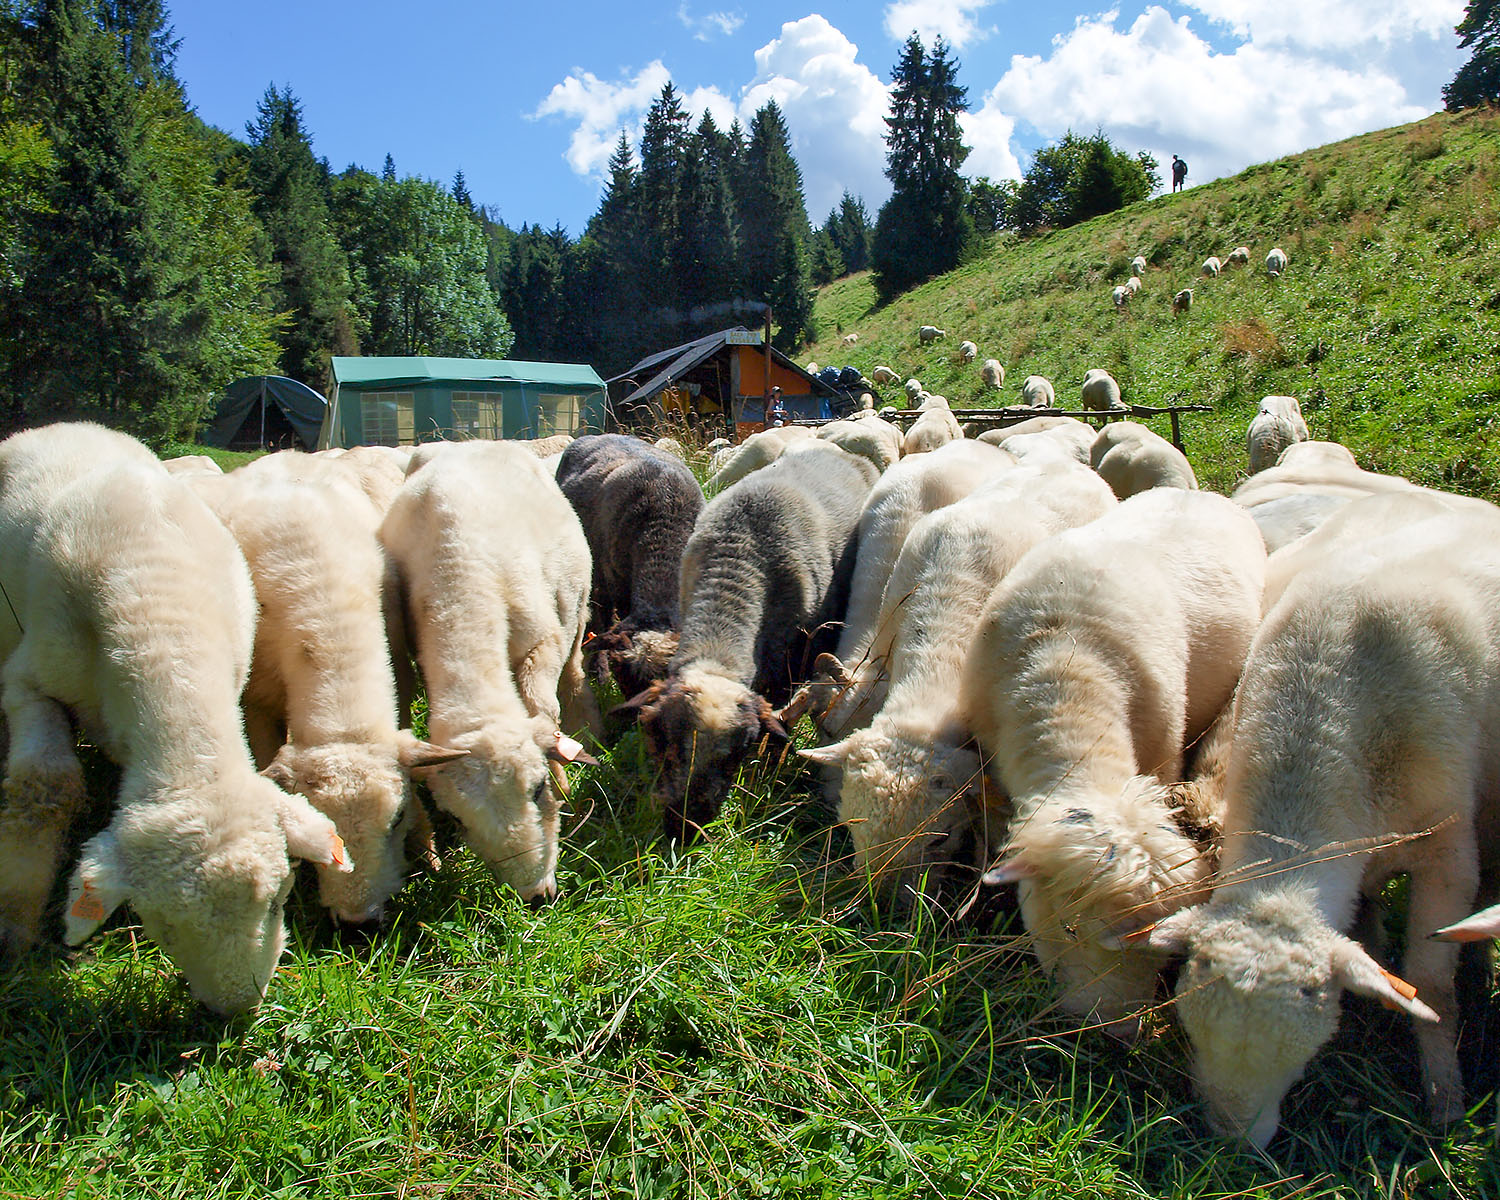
43,792
1443,886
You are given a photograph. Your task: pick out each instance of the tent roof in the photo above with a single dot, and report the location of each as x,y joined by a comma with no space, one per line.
302,406
370,371
681,359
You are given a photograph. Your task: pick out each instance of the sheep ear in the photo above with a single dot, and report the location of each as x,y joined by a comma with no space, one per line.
311,835
1476,928
96,889
795,708
632,707
415,754
830,665
1010,870
770,723
280,770
563,749
1359,973
827,756
1171,935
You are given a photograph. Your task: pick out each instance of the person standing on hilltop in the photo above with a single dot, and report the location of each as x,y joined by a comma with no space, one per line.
1179,173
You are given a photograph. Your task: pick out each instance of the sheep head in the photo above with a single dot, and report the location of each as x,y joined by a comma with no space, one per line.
1259,996
699,726
1091,867
637,658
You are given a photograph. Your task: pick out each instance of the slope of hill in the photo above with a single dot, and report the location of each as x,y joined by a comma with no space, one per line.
1386,324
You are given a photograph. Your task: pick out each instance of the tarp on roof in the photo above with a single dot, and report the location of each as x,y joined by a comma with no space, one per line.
254,398
377,372
681,359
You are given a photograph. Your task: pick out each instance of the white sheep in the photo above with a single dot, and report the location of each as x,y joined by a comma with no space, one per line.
192,464
497,610
912,789
812,368
1119,296
884,375
1133,284
930,333
937,426
867,436
1275,262
321,705
850,338
1041,447
148,655
1138,265
1079,436
1100,391
968,351
1277,424
1131,458
1107,651
756,451
1366,713
992,373
914,389
670,445
1182,301
1037,392
1240,256
1475,928
1212,266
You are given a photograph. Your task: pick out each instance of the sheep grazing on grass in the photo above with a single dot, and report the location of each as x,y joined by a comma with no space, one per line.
494,571
968,351
1212,266
867,436
1133,284
912,787
992,373
1100,391
637,507
1057,443
1138,265
1275,262
850,338
321,709
1365,744
148,655
756,451
1075,436
1276,425
1182,301
765,577
914,389
1037,392
884,375
937,426
1107,650
1239,256
852,683
1131,459
930,333
1119,296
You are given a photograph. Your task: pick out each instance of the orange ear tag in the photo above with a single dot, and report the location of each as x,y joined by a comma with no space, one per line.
1404,988
88,906
567,747
336,850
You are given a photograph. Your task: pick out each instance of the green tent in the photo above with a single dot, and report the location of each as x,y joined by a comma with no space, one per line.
402,401
266,411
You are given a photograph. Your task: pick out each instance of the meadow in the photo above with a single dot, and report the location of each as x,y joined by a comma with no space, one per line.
743,1018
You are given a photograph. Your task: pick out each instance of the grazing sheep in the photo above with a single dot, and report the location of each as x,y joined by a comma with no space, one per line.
637,507
192,464
850,338
148,655
1311,455
867,436
375,470
1080,433
1368,711
670,445
912,787
812,368
1100,391
968,351
992,373
1106,651
1138,265
914,390
1325,468
1239,256
1056,445
546,447
494,570
1133,284
853,682
884,375
937,426
321,702
1212,266
756,451
1277,424
1289,517
1120,296
1275,262
1131,458
1182,301
930,333
766,573
1036,391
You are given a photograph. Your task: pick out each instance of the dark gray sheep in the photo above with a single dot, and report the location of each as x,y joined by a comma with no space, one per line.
764,582
637,506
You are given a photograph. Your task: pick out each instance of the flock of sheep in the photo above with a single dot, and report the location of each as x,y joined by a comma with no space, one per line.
1184,725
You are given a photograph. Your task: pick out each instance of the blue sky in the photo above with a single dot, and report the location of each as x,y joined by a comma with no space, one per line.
528,99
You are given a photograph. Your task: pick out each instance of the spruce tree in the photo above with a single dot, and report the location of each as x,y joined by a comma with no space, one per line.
615,261
705,259
663,143
925,227
1478,80
774,230
853,234
461,192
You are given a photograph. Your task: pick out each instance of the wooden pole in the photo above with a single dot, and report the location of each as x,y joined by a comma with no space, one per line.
766,399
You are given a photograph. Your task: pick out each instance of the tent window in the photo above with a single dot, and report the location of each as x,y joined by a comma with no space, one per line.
387,418
477,415
556,414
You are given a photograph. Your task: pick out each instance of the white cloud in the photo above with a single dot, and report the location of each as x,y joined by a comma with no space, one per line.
988,135
834,107
710,25
952,20
1158,86
1332,24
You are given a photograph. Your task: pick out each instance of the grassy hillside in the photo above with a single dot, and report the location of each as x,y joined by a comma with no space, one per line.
1386,325
739,1019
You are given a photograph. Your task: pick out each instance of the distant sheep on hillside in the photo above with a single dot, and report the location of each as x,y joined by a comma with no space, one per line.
930,333
1275,262
1182,301
1212,266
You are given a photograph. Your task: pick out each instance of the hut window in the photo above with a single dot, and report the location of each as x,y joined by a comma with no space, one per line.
477,414
556,414
387,418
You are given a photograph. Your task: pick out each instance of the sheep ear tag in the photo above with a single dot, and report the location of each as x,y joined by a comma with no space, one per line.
337,853
1400,985
569,750
90,905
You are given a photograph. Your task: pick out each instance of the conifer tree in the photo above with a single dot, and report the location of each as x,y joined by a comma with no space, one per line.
925,227
615,259
461,192
853,233
1478,80
774,230
704,261
387,172
663,143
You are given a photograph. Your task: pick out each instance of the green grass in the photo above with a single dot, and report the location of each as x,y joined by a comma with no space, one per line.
740,1019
